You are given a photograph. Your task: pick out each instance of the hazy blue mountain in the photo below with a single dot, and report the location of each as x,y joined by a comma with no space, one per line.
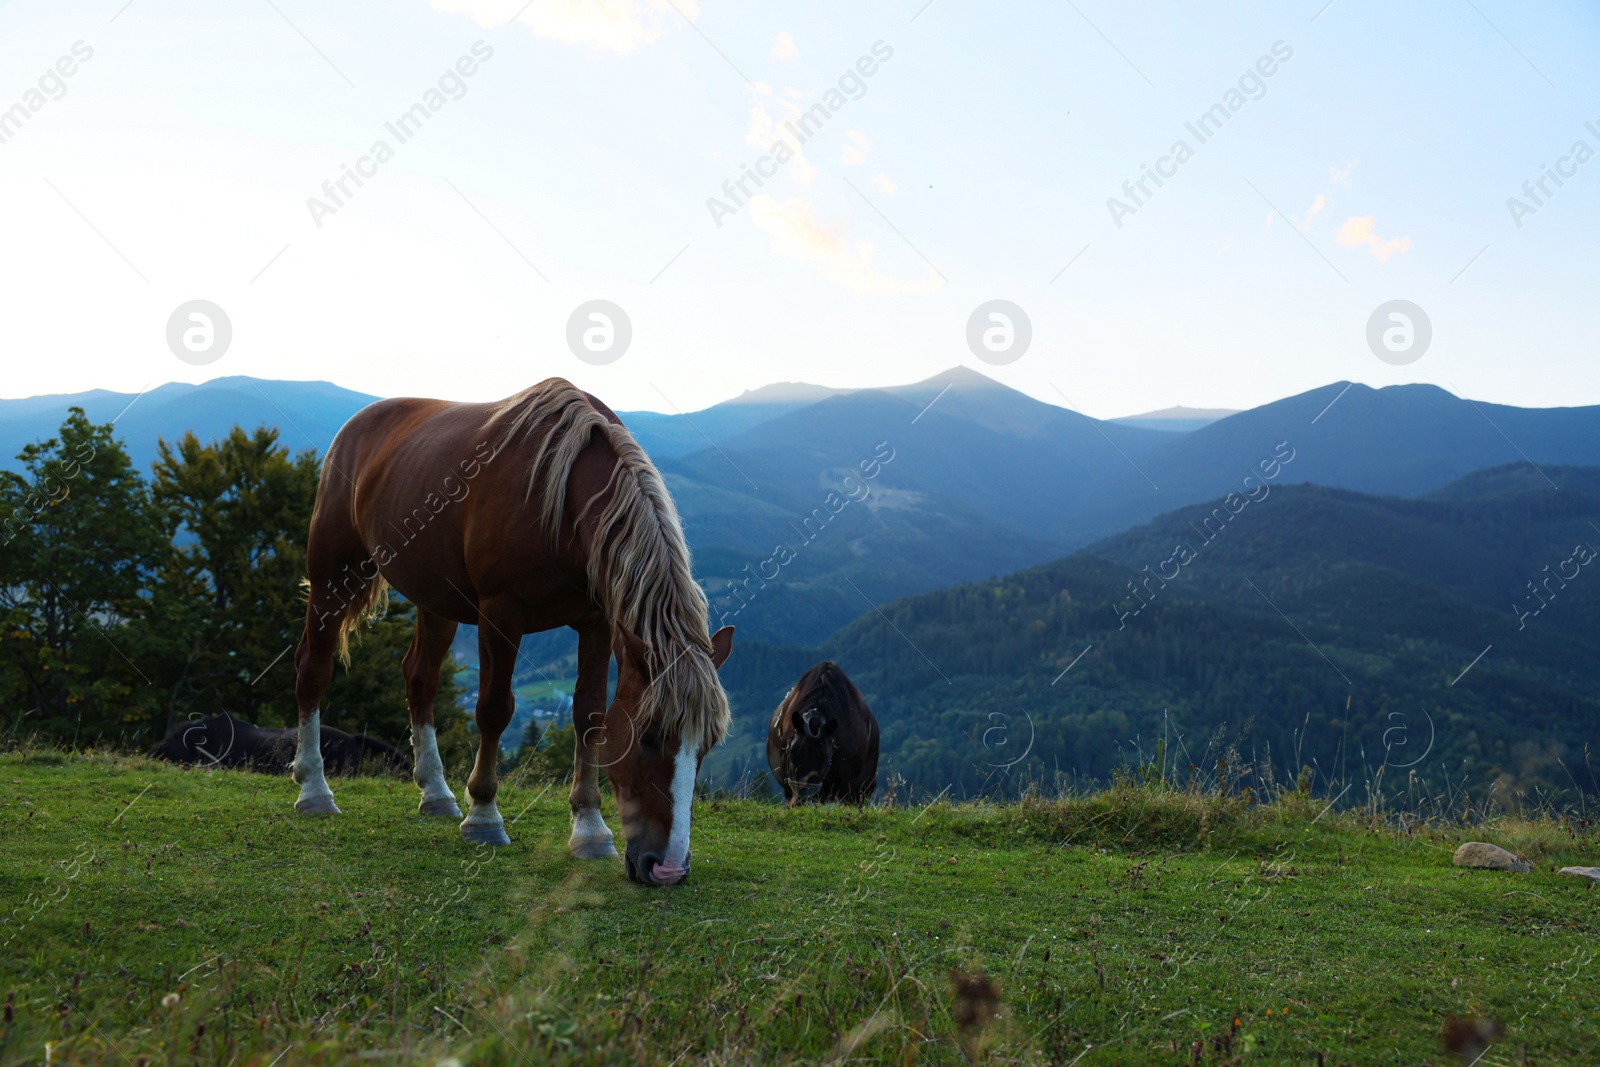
1176,419
664,435
307,414
983,480
1402,440
1006,479
318,409
975,472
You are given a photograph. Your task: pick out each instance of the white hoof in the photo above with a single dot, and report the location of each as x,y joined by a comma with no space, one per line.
315,796
591,837
317,804
483,826
428,772
600,848
445,805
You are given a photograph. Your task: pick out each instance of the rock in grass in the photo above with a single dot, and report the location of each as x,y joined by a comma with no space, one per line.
1492,857
1591,873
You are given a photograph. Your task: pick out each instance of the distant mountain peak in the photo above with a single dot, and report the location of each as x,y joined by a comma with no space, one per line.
786,393
1180,412
964,377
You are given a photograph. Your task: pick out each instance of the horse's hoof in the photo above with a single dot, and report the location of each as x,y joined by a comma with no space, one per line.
485,834
481,830
445,805
596,848
322,805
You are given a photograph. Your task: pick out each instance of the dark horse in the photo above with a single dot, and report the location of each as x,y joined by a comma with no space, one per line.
534,512
822,742
224,741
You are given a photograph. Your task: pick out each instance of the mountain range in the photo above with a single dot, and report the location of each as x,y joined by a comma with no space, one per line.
1454,636
983,479
307,414
1393,527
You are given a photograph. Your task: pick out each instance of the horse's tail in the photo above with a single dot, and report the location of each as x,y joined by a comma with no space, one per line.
368,604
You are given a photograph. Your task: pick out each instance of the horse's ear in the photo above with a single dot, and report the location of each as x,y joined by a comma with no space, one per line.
633,648
721,645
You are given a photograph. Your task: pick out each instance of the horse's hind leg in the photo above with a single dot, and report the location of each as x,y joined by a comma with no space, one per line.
591,837
498,639
313,670
429,645
343,581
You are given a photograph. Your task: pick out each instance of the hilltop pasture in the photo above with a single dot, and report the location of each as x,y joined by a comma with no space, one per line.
163,916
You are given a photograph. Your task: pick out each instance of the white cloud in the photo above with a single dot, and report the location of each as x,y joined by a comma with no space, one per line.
797,234
763,131
783,48
1341,177
619,26
1316,205
759,131
1358,231
856,151
887,187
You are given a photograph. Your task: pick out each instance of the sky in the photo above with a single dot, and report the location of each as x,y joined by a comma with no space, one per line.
566,151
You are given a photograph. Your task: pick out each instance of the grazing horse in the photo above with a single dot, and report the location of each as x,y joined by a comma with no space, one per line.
822,742
224,741
519,516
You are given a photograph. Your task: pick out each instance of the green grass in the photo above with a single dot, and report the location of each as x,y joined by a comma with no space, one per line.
1117,928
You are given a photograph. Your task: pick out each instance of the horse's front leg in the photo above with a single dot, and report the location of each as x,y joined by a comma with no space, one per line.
429,645
591,837
498,638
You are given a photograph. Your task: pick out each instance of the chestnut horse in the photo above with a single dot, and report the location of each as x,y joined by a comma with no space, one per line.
535,512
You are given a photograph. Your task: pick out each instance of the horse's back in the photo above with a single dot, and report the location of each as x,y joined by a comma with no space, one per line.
407,438
435,497
387,431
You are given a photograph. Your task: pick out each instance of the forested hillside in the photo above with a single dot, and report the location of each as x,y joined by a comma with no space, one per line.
1312,626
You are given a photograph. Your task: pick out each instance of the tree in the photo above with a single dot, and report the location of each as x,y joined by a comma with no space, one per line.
227,609
79,538
127,607
236,512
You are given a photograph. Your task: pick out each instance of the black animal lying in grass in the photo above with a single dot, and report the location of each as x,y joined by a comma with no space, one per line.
224,741
822,743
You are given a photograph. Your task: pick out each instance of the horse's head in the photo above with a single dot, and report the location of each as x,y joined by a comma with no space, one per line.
664,719
808,754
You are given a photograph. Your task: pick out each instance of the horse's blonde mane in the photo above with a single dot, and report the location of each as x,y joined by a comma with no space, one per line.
638,560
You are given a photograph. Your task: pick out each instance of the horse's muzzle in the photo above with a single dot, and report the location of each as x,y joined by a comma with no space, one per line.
650,870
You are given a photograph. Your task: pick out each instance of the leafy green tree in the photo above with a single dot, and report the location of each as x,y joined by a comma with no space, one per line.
227,610
79,538
128,607
227,602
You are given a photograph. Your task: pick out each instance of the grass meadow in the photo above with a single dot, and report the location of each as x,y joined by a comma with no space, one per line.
155,915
